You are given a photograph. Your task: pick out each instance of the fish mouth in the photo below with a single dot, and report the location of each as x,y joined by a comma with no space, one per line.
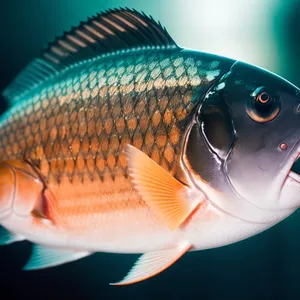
290,189
294,173
295,177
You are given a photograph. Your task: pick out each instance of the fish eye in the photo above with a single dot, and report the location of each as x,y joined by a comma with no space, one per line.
263,106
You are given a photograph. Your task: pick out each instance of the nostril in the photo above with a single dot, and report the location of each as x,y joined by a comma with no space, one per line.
283,146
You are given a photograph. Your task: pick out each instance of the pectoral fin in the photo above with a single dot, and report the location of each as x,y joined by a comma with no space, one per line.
7,238
172,201
153,263
43,257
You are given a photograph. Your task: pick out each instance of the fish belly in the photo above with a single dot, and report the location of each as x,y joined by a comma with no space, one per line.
93,216
122,223
106,216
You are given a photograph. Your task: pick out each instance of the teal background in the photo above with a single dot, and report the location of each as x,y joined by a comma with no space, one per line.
267,266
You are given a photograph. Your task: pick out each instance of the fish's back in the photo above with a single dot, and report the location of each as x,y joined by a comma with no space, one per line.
75,126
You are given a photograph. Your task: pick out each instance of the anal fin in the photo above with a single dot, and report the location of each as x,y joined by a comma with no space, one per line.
43,257
7,238
153,263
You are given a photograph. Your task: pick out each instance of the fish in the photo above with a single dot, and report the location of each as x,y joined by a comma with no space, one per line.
118,140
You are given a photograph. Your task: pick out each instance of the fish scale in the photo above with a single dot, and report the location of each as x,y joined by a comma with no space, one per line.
77,126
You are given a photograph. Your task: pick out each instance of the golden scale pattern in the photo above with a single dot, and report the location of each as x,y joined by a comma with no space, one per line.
78,125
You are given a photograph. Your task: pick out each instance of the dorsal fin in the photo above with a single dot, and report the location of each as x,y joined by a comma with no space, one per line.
110,31
35,73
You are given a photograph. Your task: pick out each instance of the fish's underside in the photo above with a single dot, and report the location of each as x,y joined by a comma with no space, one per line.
92,148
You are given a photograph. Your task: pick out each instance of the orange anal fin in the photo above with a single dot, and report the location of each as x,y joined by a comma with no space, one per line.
171,201
153,263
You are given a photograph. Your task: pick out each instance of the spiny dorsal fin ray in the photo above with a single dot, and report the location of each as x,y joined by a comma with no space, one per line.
112,30
35,73
109,31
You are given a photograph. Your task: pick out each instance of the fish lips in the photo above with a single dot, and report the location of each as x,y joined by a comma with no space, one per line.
290,189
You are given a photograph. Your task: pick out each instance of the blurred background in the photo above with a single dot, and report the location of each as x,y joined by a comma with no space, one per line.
265,33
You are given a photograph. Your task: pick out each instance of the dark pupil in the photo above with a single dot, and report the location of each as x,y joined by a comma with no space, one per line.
264,97
263,105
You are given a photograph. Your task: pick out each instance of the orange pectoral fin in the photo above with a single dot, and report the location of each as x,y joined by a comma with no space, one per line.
153,263
172,201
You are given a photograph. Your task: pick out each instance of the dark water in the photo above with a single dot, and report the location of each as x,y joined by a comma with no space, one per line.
266,266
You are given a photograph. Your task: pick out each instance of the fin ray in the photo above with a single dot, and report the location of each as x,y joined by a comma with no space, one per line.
30,77
153,263
43,257
7,238
172,201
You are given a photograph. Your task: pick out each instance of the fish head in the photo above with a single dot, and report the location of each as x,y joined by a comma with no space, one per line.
250,123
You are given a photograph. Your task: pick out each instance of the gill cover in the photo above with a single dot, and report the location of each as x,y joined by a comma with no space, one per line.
216,125
211,139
